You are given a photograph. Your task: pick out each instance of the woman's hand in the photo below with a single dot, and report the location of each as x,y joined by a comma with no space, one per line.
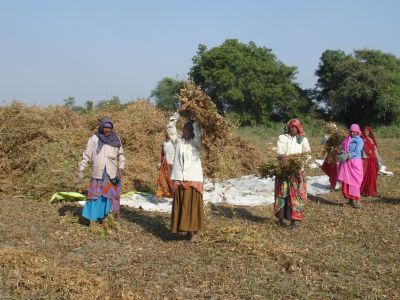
282,158
182,107
79,177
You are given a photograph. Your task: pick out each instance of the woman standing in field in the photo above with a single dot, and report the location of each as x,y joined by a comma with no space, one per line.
291,192
105,151
350,169
164,182
370,158
187,173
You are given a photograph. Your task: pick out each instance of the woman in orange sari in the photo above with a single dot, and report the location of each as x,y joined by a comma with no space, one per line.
164,182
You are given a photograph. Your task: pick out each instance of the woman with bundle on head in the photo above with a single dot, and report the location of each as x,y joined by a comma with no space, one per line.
187,173
370,159
164,182
291,192
105,151
350,169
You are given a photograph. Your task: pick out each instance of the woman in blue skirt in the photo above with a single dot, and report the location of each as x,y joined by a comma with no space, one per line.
105,151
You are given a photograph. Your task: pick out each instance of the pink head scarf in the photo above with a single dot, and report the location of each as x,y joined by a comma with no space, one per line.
356,128
346,142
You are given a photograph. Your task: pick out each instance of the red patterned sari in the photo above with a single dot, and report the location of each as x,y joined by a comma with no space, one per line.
290,197
370,167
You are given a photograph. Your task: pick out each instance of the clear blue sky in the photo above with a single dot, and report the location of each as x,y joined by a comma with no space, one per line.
94,49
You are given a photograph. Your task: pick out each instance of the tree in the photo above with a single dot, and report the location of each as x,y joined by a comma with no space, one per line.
69,102
246,80
363,87
113,103
165,93
89,105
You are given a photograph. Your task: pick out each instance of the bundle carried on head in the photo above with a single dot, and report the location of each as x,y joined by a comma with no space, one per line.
286,168
224,154
335,137
201,109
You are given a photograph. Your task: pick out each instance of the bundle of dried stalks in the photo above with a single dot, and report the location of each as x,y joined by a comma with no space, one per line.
224,155
335,137
203,110
288,167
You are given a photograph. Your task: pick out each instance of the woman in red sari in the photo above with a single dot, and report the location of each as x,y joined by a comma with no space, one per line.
370,158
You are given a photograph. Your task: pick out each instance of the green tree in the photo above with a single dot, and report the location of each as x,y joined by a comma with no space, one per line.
165,93
69,102
246,80
113,103
89,105
362,87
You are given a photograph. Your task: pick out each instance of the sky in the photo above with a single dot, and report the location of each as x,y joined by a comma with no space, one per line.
94,49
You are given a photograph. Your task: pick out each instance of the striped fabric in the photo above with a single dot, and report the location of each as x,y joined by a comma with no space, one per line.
103,187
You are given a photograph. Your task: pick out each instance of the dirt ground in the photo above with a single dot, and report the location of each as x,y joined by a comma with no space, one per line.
46,252
49,252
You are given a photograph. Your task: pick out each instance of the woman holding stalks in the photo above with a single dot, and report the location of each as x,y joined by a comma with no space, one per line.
350,169
187,173
291,191
105,151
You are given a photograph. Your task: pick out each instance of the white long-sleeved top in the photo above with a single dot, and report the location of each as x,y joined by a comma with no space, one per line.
288,145
187,163
109,158
169,151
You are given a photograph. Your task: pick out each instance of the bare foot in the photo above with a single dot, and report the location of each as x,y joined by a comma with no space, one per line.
281,223
194,238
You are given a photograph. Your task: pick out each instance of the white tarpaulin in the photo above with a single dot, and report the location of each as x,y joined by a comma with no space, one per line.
247,191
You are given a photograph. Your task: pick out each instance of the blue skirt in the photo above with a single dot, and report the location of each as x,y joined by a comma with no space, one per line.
96,209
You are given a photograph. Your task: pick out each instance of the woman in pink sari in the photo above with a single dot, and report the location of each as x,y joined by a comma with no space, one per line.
350,169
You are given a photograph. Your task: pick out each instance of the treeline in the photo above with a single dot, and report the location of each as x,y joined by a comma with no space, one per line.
111,104
251,86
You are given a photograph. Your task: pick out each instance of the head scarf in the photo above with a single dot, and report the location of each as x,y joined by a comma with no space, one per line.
347,140
371,134
356,128
112,139
297,124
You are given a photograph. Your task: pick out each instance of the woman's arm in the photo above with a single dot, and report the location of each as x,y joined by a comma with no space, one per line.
281,145
356,152
121,158
88,153
171,127
197,135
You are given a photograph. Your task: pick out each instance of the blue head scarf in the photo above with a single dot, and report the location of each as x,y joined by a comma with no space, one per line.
112,139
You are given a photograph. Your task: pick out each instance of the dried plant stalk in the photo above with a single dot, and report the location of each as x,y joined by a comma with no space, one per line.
287,168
